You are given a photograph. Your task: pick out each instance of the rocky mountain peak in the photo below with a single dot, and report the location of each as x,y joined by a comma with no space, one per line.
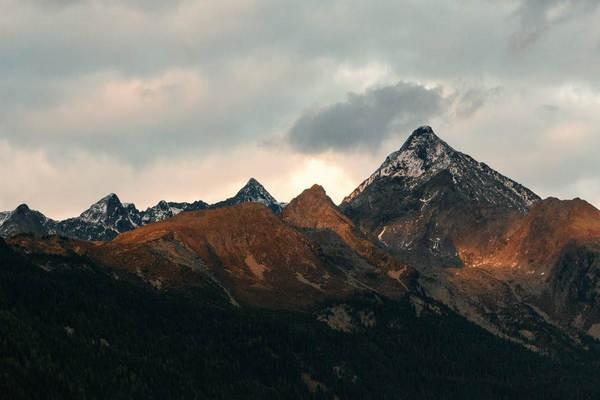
423,133
103,209
22,209
316,192
424,156
427,198
23,219
425,144
252,192
163,210
314,209
253,182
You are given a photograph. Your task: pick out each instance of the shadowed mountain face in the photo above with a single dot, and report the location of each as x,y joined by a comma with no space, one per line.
572,294
23,219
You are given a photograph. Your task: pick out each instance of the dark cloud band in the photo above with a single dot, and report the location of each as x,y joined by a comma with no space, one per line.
365,120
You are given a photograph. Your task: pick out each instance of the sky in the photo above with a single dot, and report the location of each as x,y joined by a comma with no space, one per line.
186,100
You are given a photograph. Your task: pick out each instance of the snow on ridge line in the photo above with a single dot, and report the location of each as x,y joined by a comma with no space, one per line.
424,155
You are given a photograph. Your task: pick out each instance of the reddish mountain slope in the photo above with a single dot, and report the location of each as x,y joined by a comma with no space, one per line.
314,211
536,241
533,242
256,257
247,249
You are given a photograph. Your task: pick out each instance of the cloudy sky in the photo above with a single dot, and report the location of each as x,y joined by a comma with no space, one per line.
185,100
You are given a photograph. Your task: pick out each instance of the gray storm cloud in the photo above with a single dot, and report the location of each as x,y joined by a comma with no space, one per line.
365,120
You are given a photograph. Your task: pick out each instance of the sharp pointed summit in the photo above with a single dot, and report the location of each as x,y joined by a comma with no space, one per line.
425,182
103,209
104,220
25,220
424,156
252,192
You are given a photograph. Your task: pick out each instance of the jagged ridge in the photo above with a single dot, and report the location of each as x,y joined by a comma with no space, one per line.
109,217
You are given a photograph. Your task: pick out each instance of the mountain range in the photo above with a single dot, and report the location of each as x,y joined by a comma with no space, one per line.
109,217
432,234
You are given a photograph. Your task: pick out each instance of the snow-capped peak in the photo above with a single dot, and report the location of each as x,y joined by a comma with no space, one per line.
252,192
99,212
255,192
422,152
424,155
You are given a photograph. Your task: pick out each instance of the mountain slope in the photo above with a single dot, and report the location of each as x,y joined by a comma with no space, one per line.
572,294
72,329
246,248
315,213
553,255
535,241
252,254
